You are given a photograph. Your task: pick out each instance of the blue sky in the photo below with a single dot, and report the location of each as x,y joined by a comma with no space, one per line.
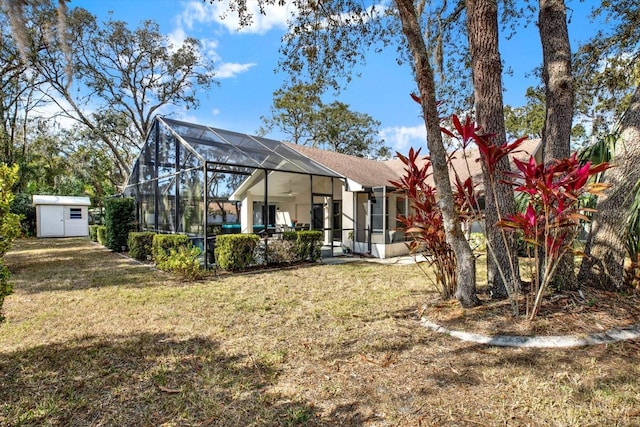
245,62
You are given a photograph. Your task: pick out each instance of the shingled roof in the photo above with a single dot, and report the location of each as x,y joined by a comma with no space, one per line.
471,164
375,173
366,172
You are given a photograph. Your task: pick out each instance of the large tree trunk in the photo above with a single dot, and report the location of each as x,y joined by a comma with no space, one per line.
482,29
465,268
558,80
603,264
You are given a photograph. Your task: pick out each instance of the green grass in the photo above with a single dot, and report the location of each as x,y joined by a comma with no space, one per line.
92,338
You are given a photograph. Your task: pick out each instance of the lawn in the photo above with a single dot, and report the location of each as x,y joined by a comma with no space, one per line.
93,338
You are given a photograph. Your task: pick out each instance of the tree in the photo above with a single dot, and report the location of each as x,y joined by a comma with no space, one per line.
609,71
558,83
293,112
465,268
339,129
18,98
300,113
482,30
125,77
607,68
603,264
527,120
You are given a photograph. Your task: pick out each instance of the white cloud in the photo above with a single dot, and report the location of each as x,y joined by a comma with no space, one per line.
229,70
401,138
210,49
274,17
194,15
184,116
194,11
177,37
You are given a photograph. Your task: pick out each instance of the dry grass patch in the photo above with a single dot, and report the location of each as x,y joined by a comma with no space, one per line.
92,338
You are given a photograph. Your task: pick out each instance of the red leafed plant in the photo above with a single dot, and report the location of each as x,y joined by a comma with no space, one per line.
424,225
554,211
550,222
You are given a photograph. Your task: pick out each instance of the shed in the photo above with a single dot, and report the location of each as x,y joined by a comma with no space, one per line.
62,216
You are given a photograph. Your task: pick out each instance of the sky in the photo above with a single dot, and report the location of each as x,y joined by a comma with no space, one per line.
246,66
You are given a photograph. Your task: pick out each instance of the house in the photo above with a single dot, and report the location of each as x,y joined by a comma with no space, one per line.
61,216
187,173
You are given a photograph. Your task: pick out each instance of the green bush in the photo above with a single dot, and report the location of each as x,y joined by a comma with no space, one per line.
183,261
120,220
9,225
235,251
163,243
22,205
308,245
101,234
140,244
290,236
9,222
5,287
478,242
93,232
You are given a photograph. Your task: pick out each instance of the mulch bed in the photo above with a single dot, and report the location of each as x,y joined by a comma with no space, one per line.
563,313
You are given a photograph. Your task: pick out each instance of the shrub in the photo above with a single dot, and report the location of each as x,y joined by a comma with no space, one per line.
22,205
5,287
235,251
93,232
424,227
101,234
551,221
290,235
277,251
163,243
140,244
9,225
183,261
120,220
9,222
308,244
478,242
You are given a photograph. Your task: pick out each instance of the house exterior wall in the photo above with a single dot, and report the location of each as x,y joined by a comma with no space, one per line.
348,219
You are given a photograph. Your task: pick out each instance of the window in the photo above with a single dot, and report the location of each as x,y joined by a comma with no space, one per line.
401,210
75,213
379,210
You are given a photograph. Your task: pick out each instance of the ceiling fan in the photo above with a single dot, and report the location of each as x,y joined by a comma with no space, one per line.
290,192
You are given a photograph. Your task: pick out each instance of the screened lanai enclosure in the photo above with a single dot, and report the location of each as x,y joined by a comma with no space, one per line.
201,181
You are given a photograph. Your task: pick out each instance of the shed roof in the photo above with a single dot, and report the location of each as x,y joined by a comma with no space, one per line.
61,200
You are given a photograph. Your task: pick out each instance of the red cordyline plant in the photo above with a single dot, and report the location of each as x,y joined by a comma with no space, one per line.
490,154
551,221
424,225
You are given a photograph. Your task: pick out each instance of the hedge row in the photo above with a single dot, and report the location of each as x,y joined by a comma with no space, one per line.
233,252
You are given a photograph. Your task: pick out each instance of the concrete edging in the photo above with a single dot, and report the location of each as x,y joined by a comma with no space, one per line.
557,341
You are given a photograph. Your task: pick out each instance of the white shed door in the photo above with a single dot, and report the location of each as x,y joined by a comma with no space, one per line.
52,221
